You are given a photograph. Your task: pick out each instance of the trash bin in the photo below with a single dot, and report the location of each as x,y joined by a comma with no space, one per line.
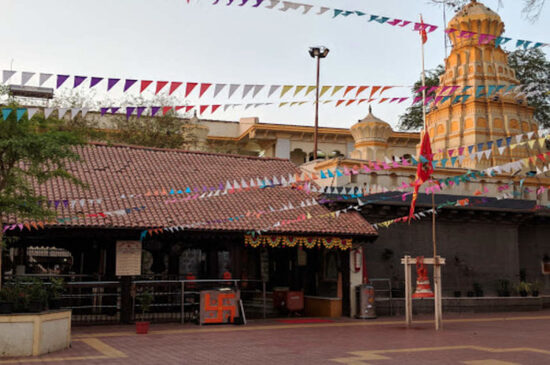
365,304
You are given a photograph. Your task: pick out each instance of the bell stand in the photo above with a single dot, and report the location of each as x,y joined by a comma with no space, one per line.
438,309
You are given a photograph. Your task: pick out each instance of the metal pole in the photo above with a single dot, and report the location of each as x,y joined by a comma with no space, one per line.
316,110
182,302
264,297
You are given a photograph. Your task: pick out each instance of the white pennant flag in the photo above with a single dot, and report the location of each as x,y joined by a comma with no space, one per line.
84,111
257,89
323,10
218,88
307,8
273,4
487,154
48,112
61,112
289,5
272,89
74,112
6,75
246,90
25,77
247,106
226,106
43,78
232,89
31,112
519,138
501,149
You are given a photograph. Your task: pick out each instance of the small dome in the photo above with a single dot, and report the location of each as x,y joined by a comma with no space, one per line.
474,10
370,118
477,18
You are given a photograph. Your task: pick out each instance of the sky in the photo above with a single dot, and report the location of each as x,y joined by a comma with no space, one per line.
199,42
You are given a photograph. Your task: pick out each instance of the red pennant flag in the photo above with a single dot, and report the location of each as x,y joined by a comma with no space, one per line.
422,31
144,85
160,86
179,107
339,102
41,225
204,87
215,107
385,88
374,90
188,108
423,170
382,100
360,89
189,87
33,224
166,109
350,101
202,108
173,86
348,89
361,101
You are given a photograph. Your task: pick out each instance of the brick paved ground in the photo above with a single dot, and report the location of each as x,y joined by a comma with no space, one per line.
490,339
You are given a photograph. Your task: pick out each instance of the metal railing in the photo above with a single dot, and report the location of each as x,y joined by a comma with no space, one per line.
388,291
99,302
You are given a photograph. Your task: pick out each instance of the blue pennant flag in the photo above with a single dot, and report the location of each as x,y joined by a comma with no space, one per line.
499,142
480,146
330,174
188,190
453,160
444,162
508,140
338,173
490,145
6,112
470,149
323,176
20,112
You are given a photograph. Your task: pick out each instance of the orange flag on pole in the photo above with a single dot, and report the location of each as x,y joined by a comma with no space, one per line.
424,168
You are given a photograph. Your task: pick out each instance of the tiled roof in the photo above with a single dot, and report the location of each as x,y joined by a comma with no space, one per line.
115,171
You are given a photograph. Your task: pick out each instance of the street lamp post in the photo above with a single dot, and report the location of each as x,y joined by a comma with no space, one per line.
317,52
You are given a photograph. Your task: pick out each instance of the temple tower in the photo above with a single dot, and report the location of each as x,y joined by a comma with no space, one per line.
485,118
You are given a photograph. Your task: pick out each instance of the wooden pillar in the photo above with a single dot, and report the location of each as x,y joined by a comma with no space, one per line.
126,301
437,291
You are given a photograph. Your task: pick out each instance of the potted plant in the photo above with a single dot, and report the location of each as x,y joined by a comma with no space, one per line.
503,289
144,299
55,290
38,296
523,288
6,300
478,290
535,288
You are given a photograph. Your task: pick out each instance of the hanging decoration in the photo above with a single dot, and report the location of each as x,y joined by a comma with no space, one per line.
297,241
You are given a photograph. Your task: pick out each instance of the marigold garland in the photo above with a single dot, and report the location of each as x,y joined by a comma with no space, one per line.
293,241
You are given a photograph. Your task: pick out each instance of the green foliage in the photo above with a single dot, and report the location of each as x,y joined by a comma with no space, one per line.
532,68
32,151
412,119
145,299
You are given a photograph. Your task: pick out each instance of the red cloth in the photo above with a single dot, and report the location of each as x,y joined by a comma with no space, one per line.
423,170
422,31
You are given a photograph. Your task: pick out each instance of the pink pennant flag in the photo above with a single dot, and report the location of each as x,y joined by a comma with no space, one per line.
203,89
450,30
160,86
188,108
366,168
486,38
202,108
460,151
189,87
166,109
451,152
144,85
394,22
174,86
402,100
465,34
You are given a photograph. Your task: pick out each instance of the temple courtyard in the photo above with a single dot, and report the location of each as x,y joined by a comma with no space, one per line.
492,339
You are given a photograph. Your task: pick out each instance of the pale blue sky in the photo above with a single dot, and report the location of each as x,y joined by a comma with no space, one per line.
171,40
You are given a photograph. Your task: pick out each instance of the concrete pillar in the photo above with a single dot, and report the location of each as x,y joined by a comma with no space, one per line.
282,148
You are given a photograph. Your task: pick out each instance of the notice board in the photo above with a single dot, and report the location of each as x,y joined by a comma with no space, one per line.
128,258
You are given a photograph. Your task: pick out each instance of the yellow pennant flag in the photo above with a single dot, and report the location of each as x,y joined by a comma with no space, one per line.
336,89
541,142
298,89
324,89
283,103
302,102
532,143
327,101
293,103
286,89
310,89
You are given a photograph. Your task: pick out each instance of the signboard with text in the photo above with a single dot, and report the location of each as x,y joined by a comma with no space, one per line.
128,258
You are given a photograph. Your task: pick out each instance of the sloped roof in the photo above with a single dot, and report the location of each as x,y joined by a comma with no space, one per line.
128,177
